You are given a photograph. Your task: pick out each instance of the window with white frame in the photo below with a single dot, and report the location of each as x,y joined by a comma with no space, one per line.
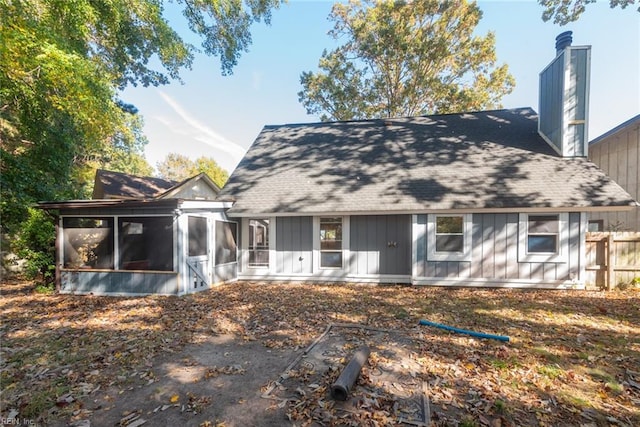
259,243
331,242
449,237
543,237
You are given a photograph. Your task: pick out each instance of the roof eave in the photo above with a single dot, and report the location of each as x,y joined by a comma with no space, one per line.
241,213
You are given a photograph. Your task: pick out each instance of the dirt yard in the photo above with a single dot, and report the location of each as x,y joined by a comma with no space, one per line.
266,355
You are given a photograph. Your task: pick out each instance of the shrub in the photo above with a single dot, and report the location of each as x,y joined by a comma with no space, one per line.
35,243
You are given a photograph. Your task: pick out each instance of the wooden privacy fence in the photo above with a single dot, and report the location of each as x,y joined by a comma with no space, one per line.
613,259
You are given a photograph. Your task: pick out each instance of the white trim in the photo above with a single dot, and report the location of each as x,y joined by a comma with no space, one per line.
498,283
273,259
315,245
346,243
564,130
562,256
204,204
244,245
416,233
587,97
332,275
582,252
467,229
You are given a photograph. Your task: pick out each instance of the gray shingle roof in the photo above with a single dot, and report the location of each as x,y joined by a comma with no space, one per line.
118,185
481,160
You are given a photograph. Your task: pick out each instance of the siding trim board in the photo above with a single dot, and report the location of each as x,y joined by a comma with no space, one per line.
328,276
496,283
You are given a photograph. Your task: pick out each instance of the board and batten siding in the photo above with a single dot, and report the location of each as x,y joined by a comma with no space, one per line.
618,155
494,257
294,245
380,245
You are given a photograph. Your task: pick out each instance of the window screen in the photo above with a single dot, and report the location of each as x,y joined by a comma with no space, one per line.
197,236
226,238
88,243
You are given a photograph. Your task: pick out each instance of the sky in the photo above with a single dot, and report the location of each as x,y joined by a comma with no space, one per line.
220,116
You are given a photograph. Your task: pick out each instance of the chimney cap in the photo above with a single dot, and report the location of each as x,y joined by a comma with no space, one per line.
563,40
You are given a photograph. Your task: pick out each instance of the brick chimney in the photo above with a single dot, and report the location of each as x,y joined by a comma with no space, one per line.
564,98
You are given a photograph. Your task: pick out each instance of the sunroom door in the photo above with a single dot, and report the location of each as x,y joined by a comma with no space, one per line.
198,252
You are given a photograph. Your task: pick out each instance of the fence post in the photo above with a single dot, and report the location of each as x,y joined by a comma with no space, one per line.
610,262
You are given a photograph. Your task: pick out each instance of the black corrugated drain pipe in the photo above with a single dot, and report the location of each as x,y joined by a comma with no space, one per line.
343,385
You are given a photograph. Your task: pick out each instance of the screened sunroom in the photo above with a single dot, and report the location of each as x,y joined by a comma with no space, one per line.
137,247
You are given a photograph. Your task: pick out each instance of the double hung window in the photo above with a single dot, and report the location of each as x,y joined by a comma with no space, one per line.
449,237
543,237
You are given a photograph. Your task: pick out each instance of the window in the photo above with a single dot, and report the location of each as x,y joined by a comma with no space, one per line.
543,234
543,237
596,225
449,234
197,236
449,237
258,243
226,238
143,243
146,243
331,242
88,243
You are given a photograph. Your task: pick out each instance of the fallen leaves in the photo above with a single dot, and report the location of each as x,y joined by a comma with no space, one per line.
569,361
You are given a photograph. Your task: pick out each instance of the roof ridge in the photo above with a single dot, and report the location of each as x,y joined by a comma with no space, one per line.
352,121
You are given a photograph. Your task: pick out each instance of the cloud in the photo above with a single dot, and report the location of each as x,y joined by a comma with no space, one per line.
203,133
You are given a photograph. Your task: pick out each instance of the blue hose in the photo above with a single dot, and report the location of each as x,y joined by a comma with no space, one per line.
464,331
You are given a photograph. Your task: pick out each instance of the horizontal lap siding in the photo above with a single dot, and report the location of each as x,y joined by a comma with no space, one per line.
380,244
294,245
495,253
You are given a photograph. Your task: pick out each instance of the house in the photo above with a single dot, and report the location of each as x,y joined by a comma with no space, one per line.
617,152
489,198
141,235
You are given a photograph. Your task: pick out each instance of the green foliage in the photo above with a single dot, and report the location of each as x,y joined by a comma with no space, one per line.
404,59
632,284
35,244
178,167
565,11
62,65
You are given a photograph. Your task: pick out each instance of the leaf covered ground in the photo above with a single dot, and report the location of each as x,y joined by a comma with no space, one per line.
573,357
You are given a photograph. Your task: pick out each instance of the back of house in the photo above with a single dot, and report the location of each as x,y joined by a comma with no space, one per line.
490,198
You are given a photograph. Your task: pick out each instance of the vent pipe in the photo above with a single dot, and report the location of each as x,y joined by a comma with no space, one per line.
563,40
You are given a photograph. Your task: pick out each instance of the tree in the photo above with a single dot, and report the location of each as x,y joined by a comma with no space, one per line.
62,64
178,167
565,11
404,59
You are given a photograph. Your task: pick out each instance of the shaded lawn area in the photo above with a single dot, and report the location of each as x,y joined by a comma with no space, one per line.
573,358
